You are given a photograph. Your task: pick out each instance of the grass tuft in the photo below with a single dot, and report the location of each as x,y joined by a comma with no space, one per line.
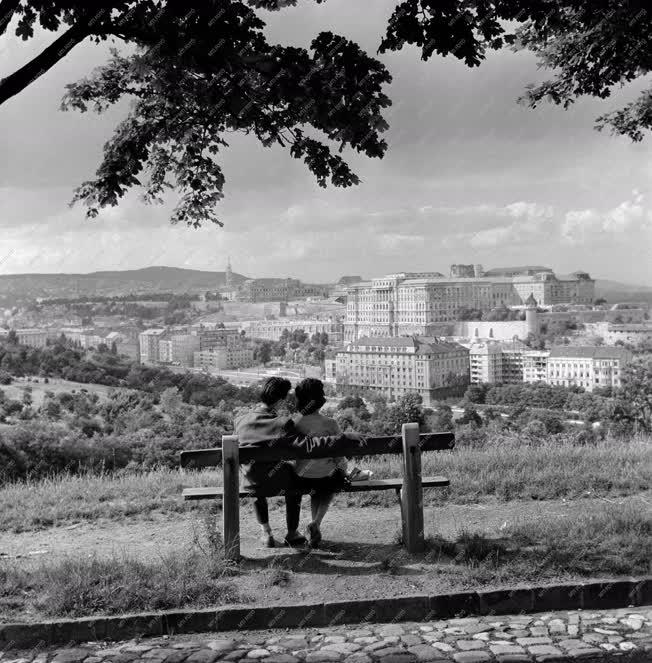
617,541
475,549
77,587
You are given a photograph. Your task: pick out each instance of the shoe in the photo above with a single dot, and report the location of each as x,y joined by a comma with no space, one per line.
296,541
356,474
268,541
314,535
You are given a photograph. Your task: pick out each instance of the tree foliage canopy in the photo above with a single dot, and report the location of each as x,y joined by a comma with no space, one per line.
198,70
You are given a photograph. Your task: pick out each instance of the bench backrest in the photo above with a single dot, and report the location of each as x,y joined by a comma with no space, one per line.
351,445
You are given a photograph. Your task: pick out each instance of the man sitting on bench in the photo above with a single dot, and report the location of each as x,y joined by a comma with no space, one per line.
260,425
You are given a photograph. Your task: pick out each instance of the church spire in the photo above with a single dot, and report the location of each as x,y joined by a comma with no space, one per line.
229,274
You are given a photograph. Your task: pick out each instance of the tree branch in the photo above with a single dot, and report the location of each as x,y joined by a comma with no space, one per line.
7,10
21,78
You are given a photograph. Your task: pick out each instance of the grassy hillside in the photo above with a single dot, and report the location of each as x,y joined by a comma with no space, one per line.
147,280
615,291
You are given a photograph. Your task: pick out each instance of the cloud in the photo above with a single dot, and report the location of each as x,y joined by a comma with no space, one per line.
629,218
530,220
399,244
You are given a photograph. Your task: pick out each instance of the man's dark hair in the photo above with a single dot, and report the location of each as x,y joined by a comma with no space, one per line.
310,395
275,389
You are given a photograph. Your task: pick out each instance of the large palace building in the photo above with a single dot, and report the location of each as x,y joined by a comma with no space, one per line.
415,303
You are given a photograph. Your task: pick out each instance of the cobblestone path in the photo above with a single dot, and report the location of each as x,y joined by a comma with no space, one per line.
608,635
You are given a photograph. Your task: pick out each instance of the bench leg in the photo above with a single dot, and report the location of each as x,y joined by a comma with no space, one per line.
412,491
231,498
399,498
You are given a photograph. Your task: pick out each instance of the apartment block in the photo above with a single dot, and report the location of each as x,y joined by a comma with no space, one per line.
330,370
587,366
485,363
224,358
535,366
214,337
148,342
33,338
496,362
402,365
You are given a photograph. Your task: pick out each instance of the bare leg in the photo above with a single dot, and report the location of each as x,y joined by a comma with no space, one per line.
320,503
314,504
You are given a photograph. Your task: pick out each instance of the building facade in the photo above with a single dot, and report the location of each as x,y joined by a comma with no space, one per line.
224,358
402,365
496,362
33,338
272,330
270,290
587,366
485,363
330,371
212,336
535,366
148,343
415,303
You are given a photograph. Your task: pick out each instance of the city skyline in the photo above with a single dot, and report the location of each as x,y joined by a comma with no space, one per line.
335,277
469,173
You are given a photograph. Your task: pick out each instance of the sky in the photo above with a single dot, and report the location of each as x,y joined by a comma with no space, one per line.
470,177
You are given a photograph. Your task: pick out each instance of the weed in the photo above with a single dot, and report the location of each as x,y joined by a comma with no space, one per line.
475,549
76,587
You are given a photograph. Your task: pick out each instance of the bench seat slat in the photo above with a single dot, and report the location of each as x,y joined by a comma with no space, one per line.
210,492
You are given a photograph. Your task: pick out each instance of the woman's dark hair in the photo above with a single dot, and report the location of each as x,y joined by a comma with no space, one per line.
310,395
275,389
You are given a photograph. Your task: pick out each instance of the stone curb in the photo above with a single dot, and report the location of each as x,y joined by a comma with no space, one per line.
592,595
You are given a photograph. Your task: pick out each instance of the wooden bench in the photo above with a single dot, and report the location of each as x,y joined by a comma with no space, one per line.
409,489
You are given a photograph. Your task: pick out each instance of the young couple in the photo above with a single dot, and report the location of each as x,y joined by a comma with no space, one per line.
321,478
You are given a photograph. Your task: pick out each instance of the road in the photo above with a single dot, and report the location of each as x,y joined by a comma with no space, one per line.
563,636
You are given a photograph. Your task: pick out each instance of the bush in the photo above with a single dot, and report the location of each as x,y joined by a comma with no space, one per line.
471,437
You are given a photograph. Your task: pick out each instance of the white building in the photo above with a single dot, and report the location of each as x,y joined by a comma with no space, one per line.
587,366
416,303
148,342
401,365
535,365
485,363
496,362
224,358
34,338
330,370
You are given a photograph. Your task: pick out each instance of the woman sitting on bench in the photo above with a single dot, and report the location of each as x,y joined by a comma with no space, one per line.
323,477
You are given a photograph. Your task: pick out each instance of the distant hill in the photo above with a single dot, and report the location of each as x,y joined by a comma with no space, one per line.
614,291
146,281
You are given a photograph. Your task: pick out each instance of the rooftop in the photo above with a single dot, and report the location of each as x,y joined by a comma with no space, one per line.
422,344
590,352
499,271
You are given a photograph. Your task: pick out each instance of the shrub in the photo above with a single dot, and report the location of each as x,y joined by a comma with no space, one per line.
471,437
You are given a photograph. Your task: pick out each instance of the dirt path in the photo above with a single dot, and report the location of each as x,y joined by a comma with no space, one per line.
151,537
359,558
